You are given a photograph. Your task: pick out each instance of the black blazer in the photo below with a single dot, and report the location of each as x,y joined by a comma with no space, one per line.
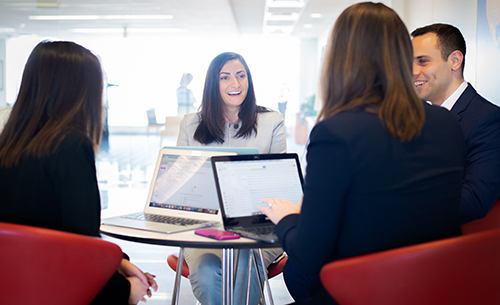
366,191
480,122
60,192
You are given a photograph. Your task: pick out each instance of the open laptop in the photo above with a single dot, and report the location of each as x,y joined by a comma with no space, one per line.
182,194
243,180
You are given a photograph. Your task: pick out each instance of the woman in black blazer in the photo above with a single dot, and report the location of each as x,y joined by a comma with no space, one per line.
47,155
384,168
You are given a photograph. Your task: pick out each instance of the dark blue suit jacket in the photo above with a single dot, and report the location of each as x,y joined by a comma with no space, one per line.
366,191
480,122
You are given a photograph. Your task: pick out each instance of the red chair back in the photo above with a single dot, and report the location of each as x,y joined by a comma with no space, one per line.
490,222
48,267
172,260
276,267
462,270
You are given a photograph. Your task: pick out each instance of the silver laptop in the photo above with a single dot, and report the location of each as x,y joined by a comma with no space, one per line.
242,181
182,195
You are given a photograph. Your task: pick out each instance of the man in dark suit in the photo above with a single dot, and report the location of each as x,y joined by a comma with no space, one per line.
439,59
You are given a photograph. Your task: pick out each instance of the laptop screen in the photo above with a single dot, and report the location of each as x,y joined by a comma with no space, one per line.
243,183
185,182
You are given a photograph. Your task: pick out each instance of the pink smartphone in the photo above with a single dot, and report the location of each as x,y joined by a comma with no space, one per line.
217,234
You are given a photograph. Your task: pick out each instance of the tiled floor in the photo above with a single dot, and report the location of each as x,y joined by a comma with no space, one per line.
124,173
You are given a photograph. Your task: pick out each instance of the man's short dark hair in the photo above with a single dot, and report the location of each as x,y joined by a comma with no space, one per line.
450,39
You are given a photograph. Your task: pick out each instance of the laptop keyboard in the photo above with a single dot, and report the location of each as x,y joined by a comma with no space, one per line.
165,219
260,230
265,233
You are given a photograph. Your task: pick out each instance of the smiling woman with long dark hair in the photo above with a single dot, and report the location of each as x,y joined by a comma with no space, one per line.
229,113
229,117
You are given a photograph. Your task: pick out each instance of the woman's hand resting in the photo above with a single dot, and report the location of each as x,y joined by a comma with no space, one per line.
140,282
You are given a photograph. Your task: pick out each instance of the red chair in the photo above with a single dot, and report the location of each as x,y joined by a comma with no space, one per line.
462,270
48,267
273,270
490,222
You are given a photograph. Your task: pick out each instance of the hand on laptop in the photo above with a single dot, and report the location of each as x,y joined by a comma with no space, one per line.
279,208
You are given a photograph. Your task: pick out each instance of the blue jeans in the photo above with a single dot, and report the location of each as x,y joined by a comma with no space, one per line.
205,274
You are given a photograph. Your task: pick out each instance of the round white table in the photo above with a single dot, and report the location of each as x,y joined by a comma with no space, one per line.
188,239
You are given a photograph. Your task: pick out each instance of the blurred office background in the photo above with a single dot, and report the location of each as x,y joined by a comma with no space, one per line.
146,46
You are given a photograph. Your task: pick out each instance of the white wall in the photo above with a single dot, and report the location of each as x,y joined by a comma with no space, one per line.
308,68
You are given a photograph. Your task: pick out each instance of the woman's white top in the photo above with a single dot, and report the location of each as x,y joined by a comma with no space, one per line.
270,138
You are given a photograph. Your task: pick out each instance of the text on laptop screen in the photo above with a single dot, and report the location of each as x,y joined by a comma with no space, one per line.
244,183
185,183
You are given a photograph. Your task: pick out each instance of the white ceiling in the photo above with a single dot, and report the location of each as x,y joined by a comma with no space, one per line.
188,17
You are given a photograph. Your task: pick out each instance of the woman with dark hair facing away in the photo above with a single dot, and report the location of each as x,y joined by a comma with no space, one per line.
384,168
229,117
47,155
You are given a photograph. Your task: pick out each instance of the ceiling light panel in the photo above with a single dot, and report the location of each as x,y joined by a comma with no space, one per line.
283,10
288,17
47,3
281,16
101,17
128,30
279,23
286,3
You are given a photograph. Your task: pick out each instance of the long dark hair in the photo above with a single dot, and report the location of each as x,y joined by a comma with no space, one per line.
368,64
61,88
211,127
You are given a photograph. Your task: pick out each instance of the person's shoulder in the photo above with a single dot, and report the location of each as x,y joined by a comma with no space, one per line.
4,113
477,102
270,119
475,110
70,146
485,108
5,110
270,115
192,118
348,125
73,139
357,118
480,101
